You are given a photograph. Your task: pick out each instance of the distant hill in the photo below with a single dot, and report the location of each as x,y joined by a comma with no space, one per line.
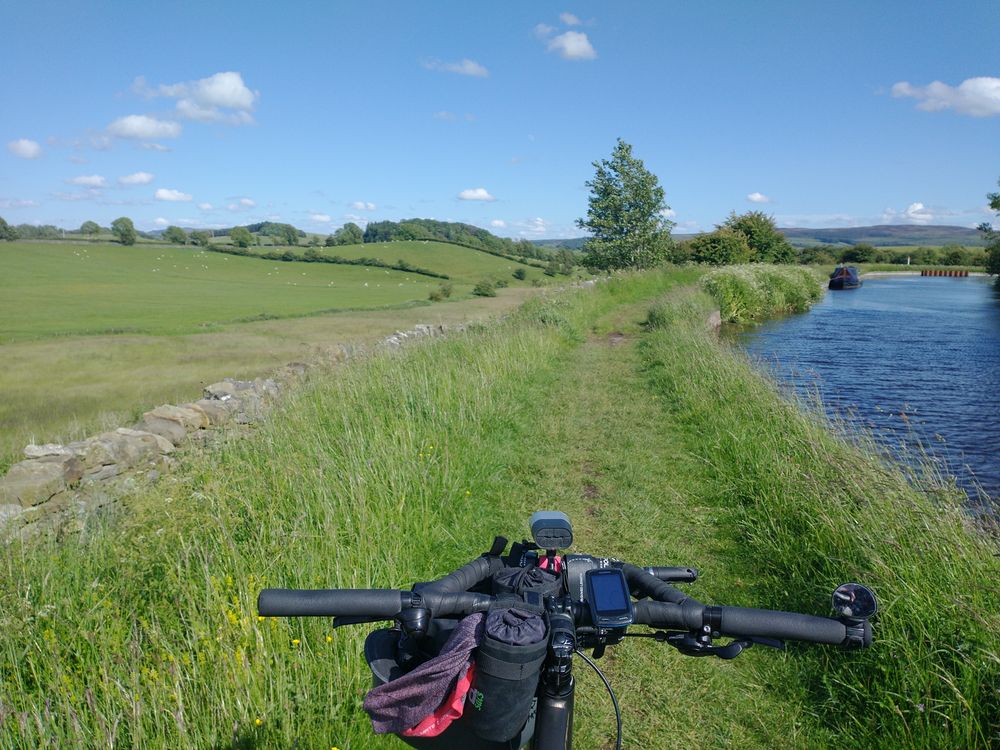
886,235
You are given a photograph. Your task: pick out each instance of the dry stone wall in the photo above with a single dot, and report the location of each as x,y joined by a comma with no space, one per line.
56,488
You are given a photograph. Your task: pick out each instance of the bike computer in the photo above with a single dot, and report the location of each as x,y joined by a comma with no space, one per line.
608,598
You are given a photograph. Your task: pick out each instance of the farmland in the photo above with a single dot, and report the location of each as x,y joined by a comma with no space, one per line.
92,334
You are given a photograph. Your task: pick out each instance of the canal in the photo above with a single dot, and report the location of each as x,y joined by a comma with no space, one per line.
914,360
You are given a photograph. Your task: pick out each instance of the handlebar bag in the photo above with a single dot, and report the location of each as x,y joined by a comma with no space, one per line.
405,702
508,665
521,580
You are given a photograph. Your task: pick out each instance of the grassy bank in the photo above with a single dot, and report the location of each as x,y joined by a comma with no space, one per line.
396,468
753,292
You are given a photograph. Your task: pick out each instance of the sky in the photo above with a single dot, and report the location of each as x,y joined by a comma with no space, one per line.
205,114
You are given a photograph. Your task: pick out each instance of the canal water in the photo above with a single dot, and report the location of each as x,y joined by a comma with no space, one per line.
914,360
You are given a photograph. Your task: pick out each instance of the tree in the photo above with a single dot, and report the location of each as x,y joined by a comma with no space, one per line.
175,235
485,288
201,237
90,227
520,274
626,214
241,237
722,247
124,230
860,253
767,244
349,234
7,232
993,248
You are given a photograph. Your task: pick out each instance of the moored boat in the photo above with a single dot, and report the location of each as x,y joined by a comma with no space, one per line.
845,277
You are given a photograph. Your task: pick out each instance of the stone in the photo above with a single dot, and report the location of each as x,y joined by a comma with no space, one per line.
221,391
165,428
215,411
190,419
714,321
48,449
9,511
102,473
71,466
30,483
162,445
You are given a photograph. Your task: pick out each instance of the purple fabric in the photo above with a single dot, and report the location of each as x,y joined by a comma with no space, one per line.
515,626
398,705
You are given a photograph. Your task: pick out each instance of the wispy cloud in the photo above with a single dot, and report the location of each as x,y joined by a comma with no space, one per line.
363,206
465,67
976,97
242,204
136,178
18,203
205,206
88,180
569,19
171,195
156,147
144,127
498,223
475,194
25,148
758,198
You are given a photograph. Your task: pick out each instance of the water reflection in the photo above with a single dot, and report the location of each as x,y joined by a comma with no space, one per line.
916,360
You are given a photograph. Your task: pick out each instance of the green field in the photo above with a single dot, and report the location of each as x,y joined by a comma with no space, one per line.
91,335
57,290
662,444
462,264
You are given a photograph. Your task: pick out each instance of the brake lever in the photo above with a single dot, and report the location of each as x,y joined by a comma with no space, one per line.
690,645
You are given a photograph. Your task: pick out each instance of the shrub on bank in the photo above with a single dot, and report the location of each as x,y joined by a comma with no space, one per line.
752,292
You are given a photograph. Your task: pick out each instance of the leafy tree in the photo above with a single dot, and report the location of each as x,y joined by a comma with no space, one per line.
7,232
552,268
520,274
625,214
175,235
722,247
349,234
201,237
993,235
124,230
90,227
241,237
767,244
860,253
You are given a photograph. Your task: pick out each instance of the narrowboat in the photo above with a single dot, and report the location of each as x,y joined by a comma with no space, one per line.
845,277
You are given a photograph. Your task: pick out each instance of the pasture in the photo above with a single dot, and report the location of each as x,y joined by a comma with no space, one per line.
92,335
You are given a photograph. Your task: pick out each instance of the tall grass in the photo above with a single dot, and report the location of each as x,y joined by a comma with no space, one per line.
807,510
753,292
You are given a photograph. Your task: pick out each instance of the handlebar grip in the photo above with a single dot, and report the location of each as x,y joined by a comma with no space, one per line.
740,621
675,574
467,576
331,602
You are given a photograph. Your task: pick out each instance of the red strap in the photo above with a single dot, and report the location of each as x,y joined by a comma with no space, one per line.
452,708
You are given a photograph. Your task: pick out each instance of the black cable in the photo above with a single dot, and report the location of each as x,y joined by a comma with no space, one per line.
614,700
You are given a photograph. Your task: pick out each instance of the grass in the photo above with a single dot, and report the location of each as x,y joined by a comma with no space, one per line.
92,335
753,292
664,446
71,290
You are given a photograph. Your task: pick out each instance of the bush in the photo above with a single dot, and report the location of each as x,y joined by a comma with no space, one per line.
485,288
720,248
441,293
520,274
747,293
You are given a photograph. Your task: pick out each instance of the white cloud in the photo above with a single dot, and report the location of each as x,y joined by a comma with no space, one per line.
222,97
77,159
169,194
320,218
977,97
573,45
444,115
84,196
205,206
363,206
535,226
668,213
475,194
88,180
18,203
241,204
156,147
543,30
143,127
915,213
25,148
248,202
569,19
136,178
498,223
465,67
758,198
160,221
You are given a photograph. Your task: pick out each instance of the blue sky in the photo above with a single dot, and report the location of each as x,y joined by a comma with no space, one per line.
215,114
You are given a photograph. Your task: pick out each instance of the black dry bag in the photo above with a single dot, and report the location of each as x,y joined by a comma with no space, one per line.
508,664
521,580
